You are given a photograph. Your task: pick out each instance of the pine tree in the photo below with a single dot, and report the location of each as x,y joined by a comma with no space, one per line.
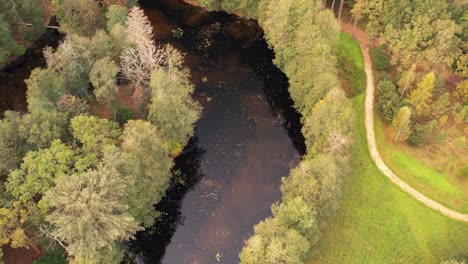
88,214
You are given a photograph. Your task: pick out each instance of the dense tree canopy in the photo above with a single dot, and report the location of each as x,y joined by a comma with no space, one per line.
414,30
39,171
10,142
172,108
82,181
14,15
88,213
145,160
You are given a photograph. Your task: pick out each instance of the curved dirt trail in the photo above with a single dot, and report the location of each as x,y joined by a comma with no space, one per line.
364,41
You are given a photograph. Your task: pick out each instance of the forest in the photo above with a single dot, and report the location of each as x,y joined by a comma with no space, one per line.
113,108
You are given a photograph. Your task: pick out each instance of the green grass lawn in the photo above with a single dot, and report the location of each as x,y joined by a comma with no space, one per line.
378,223
351,46
428,181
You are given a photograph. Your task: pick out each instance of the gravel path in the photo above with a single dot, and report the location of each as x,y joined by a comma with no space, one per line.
364,42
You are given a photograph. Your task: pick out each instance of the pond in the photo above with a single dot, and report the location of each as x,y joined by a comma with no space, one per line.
247,138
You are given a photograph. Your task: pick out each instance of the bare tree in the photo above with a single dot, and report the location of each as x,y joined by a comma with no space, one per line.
144,56
337,142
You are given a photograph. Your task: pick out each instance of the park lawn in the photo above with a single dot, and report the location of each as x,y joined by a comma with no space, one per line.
351,65
413,171
378,223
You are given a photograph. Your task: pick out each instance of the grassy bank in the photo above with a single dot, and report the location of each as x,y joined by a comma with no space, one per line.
378,223
413,171
351,65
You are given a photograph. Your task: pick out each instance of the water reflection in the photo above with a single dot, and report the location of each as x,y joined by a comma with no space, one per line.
187,173
249,134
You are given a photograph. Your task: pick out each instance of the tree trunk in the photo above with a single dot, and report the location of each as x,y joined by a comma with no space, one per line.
354,26
340,9
35,248
333,6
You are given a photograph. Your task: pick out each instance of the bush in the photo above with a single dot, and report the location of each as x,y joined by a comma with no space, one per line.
380,57
388,100
462,91
463,172
355,76
462,116
383,75
124,114
420,133
54,256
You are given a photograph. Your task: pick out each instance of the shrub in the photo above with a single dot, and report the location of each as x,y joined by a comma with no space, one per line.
380,57
420,133
462,91
462,116
124,114
54,256
383,75
354,75
463,172
388,100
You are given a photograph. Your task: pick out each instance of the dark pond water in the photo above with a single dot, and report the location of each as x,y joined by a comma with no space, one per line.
247,139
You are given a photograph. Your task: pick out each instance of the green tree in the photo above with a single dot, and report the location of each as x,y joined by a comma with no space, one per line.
39,171
19,12
88,213
301,182
40,128
420,133
421,97
78,16
462,65
172,108
103,77
45,88
119,40
407,79
101,44
145,159
13,217
388,101
414,30
274,243
441,106
72,106
10,142
462,91
74,59
332,114
94,133
7,43
311,68
296,214
401,125
116,14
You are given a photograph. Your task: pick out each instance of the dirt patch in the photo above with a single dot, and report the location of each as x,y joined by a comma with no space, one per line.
19,255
